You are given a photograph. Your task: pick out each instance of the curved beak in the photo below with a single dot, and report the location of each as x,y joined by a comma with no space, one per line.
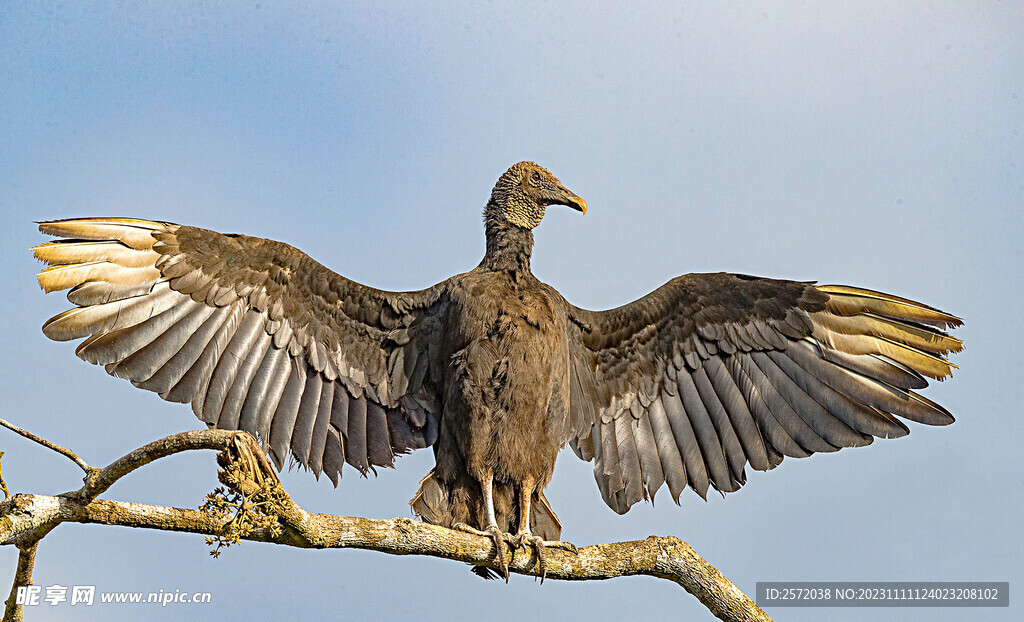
569,199
578,203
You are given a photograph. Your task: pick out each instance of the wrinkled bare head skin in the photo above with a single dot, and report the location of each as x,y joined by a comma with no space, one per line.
524,192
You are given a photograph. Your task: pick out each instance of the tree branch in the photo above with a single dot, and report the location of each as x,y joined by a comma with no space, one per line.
22,576
258,509
49,445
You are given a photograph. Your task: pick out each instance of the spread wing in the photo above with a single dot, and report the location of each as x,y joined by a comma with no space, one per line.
710,372
254,334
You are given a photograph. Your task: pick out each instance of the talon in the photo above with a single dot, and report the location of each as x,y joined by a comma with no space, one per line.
499,555
542,562
497,537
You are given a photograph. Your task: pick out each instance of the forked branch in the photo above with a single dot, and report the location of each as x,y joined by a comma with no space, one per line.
255,507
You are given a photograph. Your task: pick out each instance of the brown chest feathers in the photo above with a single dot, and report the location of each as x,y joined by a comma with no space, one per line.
506,382
506,404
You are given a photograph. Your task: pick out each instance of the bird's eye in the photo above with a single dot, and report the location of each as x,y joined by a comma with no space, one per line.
535,176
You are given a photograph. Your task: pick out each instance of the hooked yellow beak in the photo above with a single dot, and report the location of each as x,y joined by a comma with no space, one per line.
571,200
580,204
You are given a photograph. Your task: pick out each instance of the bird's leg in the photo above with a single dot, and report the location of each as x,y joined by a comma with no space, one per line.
492,525
525,497
492,530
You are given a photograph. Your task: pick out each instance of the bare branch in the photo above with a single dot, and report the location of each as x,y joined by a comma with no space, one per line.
104,478
662,557
25,518
49,445
23,576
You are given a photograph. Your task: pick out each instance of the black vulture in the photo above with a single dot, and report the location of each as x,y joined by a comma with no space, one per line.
493,368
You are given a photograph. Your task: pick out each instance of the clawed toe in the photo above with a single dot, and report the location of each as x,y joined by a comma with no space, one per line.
498,537
473,530
542,561
565,546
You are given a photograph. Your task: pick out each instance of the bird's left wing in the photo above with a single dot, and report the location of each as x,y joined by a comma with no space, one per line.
253,333
710,372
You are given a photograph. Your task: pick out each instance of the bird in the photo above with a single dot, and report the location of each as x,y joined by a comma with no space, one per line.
492,368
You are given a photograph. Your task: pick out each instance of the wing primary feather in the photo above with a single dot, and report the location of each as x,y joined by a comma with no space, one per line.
262,384
730,444
192,385
671,461
845,300
355,437
241,386
773,432
807,374
302,435
629,461
134,232
318,441
56,278
918,336
283,423
171,372
707,438
686,443
85,321
824,423
378,442
650,459
788,418
117,345
875,366
876,393
923,362
142,364
739,414
100,292
66,252
227,364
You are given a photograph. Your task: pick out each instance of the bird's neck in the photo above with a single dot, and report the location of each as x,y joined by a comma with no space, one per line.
508,247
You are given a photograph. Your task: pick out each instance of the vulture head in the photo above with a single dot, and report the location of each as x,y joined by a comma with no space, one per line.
524,192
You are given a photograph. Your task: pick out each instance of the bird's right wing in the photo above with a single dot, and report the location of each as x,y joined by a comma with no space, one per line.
710,372
254,334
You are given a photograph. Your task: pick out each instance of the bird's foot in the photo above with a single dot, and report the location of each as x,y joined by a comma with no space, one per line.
541,545
498,537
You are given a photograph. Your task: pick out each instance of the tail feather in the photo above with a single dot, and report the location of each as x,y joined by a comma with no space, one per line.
543,521
432,503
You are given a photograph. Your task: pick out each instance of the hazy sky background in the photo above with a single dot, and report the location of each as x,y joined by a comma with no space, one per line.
872,144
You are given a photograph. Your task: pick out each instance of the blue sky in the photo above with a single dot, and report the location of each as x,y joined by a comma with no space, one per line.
877,145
